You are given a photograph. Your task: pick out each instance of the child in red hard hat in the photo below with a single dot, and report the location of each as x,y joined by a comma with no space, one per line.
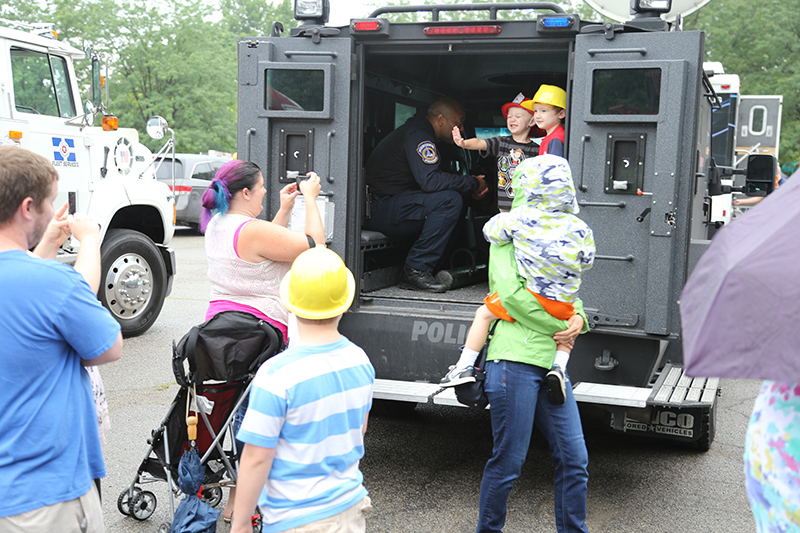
509,150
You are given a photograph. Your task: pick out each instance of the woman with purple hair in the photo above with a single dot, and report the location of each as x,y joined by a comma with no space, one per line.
248,257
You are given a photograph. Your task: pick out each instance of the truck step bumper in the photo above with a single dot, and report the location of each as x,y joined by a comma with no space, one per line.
404,391
413,391
672,389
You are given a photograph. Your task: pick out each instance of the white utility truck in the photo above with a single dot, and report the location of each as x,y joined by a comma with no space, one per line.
103,171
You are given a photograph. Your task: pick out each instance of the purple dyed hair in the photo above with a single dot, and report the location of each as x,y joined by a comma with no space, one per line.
231,178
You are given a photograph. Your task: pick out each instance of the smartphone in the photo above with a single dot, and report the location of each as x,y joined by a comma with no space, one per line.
72,199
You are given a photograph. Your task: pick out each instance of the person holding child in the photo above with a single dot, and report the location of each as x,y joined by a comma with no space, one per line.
553,248
305,424
522,353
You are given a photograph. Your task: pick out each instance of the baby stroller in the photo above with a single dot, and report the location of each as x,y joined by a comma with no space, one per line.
222,356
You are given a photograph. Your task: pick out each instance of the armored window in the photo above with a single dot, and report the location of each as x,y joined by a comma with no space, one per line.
402,113
626,91
294,90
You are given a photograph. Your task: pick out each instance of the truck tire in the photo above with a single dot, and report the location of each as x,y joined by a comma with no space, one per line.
133,280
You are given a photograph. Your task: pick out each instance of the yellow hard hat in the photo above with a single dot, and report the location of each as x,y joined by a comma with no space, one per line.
550,94
318,286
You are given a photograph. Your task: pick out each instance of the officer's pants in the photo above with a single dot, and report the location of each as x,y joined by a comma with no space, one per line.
431,215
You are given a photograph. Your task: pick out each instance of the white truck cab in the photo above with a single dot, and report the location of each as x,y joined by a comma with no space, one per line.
106,174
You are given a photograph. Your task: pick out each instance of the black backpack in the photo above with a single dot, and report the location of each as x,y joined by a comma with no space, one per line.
225,348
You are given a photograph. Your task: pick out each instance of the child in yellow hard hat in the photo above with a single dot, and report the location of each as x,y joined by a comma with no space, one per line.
305,423
549,109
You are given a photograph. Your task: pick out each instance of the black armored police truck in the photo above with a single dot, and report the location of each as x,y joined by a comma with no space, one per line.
638,132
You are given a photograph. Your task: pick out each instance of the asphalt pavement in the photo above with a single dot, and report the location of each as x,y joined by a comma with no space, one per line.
423,470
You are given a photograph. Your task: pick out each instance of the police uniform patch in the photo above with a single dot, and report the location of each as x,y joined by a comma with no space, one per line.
427,151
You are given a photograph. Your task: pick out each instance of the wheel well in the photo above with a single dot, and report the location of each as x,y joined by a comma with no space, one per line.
143,218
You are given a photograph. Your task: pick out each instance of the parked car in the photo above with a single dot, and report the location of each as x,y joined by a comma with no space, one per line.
193,174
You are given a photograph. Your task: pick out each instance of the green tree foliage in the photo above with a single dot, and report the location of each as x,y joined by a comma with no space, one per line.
253,18
759,41
177,65
177,58
174,58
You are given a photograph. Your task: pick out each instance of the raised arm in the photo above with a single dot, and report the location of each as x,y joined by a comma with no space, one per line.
311,189
87,232
261,240
469,144
55,235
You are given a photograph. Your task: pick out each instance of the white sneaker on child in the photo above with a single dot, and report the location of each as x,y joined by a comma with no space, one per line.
457,376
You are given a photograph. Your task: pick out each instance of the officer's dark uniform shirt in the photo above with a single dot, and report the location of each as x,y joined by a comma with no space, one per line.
408,160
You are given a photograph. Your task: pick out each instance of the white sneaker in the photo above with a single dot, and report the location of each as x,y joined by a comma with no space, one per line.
457,376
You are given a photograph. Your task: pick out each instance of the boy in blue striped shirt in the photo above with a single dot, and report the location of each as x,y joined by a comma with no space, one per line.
305,423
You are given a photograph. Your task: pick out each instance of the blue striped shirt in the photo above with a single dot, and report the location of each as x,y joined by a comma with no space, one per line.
309,403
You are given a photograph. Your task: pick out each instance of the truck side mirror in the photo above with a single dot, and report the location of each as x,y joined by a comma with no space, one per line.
97,82
762,171
157,127
89,111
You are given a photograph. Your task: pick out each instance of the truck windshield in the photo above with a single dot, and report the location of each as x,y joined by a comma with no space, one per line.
41,84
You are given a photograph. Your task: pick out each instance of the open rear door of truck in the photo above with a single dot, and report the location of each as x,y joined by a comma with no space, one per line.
290,122
636,158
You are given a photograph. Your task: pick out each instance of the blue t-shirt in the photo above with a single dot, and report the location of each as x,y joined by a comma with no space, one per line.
309,403
49,442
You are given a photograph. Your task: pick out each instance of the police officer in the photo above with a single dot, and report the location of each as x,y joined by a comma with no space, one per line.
411,196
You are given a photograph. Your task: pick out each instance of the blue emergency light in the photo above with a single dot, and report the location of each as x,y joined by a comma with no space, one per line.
557,22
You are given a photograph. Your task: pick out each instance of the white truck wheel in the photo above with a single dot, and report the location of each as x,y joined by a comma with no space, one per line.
133,280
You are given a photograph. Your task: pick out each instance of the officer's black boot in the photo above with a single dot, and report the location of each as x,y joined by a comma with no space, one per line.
420,280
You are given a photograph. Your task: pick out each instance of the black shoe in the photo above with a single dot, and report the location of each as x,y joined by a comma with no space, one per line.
420,280
556,386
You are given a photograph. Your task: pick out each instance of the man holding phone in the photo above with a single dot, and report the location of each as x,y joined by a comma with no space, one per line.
49,441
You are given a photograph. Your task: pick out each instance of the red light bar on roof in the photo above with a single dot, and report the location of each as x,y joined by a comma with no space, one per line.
436,31
367,25
370,27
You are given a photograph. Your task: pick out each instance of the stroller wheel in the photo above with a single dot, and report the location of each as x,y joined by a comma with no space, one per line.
122,502
143,505
164,527
212,496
